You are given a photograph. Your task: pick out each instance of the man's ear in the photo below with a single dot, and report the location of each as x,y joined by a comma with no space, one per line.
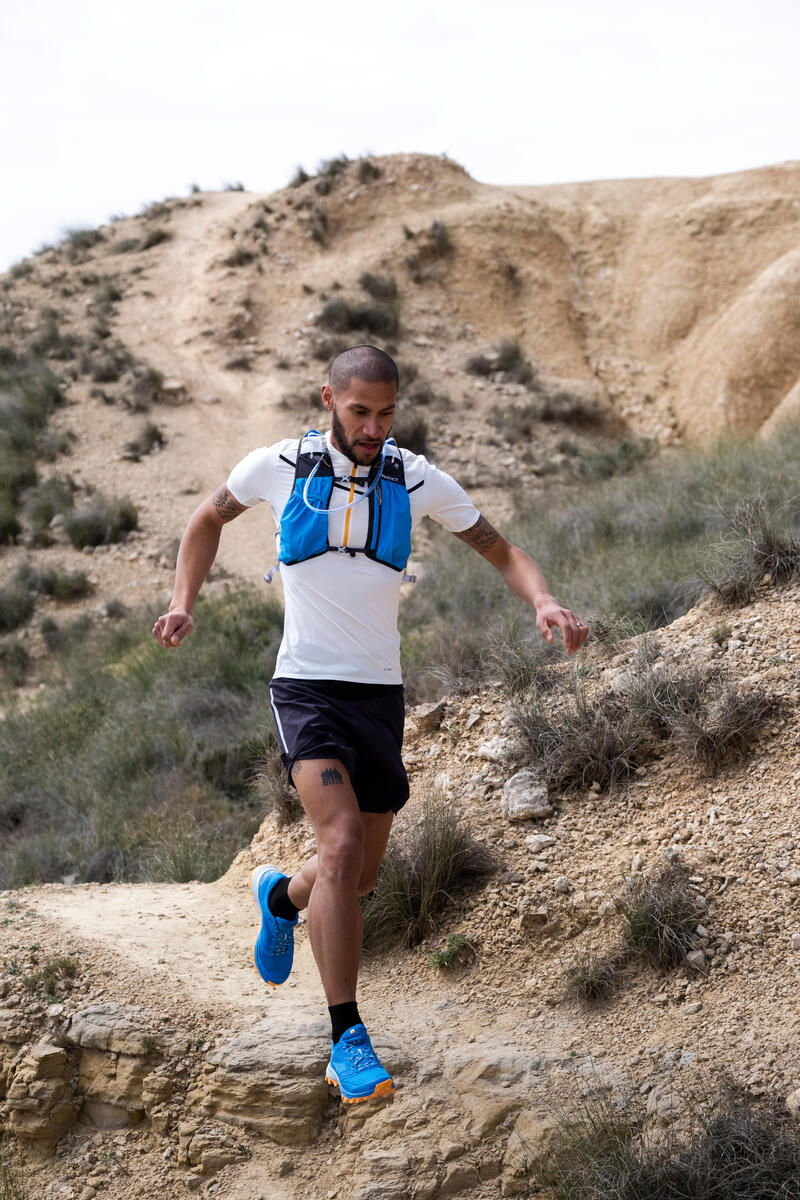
327,397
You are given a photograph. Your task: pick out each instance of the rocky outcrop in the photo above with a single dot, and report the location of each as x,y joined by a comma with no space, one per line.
42,1103
272,1080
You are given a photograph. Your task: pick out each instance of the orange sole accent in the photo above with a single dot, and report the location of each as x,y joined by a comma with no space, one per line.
385,1088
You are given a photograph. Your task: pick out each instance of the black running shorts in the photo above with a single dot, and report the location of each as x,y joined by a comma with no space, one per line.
359,723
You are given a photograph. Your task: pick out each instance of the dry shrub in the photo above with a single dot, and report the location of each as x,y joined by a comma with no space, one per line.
423,865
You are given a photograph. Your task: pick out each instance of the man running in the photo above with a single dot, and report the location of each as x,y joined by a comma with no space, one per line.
344,506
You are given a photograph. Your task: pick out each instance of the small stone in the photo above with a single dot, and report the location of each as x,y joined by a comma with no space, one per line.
525,797
796,941
472,720
562,885
193,1182
702,932
793,1102
791,877
539,842
692,1008
494,749
429,716
696,959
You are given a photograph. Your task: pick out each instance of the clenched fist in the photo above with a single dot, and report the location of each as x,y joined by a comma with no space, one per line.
170,629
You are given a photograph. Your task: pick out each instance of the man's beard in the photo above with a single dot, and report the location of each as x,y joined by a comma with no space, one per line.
347,448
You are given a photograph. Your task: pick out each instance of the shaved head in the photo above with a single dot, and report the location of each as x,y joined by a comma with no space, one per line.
367,363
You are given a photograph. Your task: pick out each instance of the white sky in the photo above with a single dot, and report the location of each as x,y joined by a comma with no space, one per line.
105,107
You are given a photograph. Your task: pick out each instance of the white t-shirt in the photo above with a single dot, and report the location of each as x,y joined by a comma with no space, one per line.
341,609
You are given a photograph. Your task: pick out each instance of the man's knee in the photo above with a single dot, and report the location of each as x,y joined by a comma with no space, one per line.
369,877
341,855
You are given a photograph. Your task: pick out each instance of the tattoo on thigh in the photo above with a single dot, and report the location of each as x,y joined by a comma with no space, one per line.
297,768
330,776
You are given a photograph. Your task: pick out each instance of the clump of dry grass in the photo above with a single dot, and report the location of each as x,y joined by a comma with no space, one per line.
422,867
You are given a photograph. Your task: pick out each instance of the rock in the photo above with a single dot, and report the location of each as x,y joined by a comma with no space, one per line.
524,797
791,877
429,716
529,1139
696,959
491,1080
472,720
533,918
493,749
174,392
41,1104
796,941
112,1088
207,1149
272,1079
692,1008
539,842
793,1102
119,1028
457,1178
562,885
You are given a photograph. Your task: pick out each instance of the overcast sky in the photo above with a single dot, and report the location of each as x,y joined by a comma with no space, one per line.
105,107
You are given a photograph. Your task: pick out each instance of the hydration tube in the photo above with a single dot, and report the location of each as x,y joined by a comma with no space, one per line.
350,503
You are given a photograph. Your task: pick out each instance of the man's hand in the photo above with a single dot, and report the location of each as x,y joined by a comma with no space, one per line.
550,614
170,629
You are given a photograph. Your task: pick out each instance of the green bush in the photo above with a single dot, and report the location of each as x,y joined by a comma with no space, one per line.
633,548
154,236
380,287
508,358
101,520
16,602
116,754
47,499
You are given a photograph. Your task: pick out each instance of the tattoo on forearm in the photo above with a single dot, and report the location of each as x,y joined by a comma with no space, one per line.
227,507
331,776
481,536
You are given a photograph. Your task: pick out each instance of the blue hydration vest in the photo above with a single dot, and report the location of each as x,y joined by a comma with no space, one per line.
304,520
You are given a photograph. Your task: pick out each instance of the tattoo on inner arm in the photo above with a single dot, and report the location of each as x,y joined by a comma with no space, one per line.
331,776
481,536
227,507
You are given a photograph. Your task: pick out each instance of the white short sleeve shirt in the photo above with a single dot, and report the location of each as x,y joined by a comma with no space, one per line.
341,609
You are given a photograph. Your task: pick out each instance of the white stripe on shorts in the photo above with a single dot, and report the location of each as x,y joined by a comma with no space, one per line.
278,723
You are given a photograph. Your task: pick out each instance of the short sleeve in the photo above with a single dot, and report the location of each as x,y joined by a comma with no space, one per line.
252,479
446,502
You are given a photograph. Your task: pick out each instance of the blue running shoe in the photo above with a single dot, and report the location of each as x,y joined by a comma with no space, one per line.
274,948
355,1068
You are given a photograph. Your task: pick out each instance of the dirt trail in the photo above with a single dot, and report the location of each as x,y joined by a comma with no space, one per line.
166,322
193,941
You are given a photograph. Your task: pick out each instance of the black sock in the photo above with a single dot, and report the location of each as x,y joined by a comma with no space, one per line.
279,903
343,1017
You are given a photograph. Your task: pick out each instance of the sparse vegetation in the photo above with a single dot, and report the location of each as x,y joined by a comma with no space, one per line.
49,979
146,440
239,257
12,1182
122,754
759,545
380,287
508,358
422,867
602,739
731,1145
431,246
411,432
458,952
340,316
154,236
628,548
101,520
661,913
592,978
